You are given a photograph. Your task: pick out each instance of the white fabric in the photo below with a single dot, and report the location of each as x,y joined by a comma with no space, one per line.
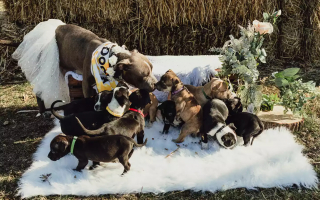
274,160
74,75
38,57
192,70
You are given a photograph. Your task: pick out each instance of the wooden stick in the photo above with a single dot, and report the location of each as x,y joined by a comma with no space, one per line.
172,152
9,43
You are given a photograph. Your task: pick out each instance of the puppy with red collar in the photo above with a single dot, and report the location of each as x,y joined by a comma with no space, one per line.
97,149
187,107
215,112
131,123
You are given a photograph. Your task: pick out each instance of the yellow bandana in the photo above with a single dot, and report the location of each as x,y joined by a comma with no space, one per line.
100,68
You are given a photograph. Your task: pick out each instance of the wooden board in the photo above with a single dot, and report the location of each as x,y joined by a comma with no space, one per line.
277,118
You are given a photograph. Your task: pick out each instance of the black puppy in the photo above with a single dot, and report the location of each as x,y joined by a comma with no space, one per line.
246,125
93,119
234,105
215,112
168,113
97,103
98,149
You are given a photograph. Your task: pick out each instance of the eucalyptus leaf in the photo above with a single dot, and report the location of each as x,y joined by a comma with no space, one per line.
262,59
265,16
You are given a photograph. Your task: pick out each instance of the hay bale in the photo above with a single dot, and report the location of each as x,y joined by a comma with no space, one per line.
70,11
312,32
292,30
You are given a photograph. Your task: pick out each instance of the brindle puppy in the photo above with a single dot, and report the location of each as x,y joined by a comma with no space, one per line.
187,107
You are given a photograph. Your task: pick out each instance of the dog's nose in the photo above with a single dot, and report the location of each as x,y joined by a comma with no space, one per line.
97,108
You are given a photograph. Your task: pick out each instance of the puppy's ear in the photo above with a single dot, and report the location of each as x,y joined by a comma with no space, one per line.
232,126
122,65
169,71
122,84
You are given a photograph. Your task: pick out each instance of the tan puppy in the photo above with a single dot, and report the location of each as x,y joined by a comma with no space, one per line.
151,109
216,88
187,107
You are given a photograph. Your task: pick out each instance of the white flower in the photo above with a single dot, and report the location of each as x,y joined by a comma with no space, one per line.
278,13
110,71
262,27
117,49
113,60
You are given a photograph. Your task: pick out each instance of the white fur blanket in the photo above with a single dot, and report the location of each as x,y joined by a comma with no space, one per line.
274,160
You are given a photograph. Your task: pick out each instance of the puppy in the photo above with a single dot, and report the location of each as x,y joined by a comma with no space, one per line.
98,149
93,119
130,124
168,113
150,111
215,112
246,125
234,105
216,88
187,107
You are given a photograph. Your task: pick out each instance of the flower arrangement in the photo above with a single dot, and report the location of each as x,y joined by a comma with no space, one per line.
242,57
293,91
268,102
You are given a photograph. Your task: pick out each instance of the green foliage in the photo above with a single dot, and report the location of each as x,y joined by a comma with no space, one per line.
268,101
272,18
294,92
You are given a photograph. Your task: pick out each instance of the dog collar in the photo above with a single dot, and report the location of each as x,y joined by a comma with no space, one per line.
113,113
205,95
138,111
220,129
177,91
73,143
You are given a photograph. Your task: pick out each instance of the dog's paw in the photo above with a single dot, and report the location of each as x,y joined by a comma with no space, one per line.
77,170
92,167
149,125
204,146
176,141
46,115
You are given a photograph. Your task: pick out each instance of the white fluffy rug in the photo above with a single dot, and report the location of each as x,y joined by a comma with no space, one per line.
274,160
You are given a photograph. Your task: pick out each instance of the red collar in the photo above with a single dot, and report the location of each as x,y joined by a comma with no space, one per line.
138,111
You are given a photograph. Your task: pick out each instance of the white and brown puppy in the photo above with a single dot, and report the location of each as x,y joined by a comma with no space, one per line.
216,88
187,108
215,112
76,46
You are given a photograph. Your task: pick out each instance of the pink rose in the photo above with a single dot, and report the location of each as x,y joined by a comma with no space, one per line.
278,13
262,27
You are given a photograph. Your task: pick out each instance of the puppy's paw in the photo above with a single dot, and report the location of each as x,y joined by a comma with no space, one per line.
77,170
149,125
92,167
176,141
204,146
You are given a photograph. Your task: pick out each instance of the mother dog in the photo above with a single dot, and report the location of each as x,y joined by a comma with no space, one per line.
53,44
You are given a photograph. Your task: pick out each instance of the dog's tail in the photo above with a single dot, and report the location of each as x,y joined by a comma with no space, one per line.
38,57
55,113
91,132
261,130
136,144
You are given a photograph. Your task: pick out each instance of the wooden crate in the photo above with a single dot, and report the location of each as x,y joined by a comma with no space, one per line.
75,91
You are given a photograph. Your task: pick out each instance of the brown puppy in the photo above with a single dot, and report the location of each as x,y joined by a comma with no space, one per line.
76,46
216,88
151,109
187,107
98,149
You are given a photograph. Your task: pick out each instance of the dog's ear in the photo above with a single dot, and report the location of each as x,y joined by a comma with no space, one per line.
122,65
232,126
169,71
122,84
221,86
